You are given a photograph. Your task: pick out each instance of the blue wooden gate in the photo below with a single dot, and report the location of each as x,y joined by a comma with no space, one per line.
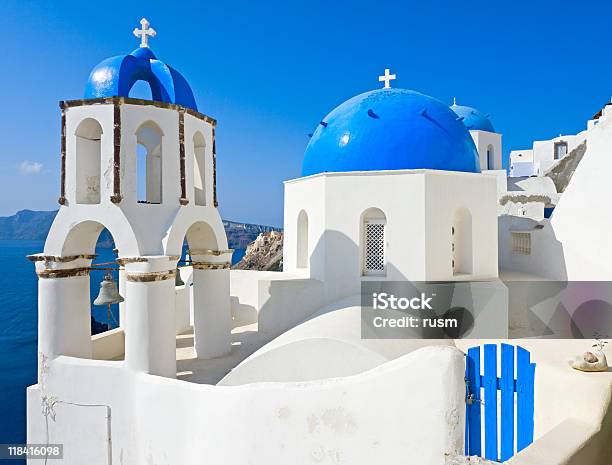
488,383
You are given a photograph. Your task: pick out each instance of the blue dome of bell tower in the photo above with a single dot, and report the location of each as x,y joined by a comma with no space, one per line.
472,118
390,129
115,76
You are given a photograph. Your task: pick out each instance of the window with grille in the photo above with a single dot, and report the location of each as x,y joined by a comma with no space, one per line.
374,254
521,243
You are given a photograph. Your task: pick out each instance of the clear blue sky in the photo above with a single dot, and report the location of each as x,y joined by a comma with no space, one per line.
269,71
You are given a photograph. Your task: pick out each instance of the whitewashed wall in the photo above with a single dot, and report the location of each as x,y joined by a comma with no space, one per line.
418,245
484,139
522,163
415,414
276,301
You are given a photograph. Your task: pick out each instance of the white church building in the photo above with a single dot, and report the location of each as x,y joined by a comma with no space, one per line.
239,366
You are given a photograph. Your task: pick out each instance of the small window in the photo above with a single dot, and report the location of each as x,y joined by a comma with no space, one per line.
560,150
373,243
521,243
374,247
490,157
199,163
302,240
461,247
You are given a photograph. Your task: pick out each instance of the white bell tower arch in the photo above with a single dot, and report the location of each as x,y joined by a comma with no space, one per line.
100,139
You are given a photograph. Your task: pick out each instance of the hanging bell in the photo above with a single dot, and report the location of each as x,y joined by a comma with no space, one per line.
108,292
177,280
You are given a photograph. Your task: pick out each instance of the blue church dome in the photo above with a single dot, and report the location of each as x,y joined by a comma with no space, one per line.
115,76
473,119
390,129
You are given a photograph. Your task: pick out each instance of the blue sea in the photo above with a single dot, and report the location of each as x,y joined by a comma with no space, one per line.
18,329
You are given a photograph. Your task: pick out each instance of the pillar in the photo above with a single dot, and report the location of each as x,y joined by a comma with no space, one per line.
150,338
64,311
122,285
211,304
182,320
122,281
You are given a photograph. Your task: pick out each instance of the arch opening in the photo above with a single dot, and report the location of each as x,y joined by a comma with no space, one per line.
302,240
490,157
461,232
105,253
88,159
199,240
199,170
93,238
373,238
201,237
141,89
149,164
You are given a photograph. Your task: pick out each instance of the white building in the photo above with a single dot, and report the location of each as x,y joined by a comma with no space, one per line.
545,154
240,367
573,244
488,141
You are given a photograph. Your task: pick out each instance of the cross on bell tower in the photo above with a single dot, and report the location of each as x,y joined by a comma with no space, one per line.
387,78
144,33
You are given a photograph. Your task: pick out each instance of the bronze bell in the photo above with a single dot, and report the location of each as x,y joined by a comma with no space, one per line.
108,292
178,280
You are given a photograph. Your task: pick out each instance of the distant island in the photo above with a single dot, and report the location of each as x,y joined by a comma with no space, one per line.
34,225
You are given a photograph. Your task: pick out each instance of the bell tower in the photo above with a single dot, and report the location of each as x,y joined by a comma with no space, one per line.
487,140
146,171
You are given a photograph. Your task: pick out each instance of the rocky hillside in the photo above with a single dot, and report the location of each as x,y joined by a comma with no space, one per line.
26,225
264,254
34,225
561,172
240,235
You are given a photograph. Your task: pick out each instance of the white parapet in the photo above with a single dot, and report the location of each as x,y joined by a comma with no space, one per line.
415,415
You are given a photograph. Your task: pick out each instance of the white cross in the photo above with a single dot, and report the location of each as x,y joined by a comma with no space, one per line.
144,33
387,78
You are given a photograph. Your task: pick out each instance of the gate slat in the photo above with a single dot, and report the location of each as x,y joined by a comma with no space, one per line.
473,410
524,398
531,403
507,401
490,399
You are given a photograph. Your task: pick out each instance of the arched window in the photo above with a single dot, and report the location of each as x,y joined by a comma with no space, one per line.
302,240
490,157
88,161
374,242
199,184
462,242
149,163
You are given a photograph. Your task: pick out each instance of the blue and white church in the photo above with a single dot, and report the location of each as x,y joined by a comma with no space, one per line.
216,365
